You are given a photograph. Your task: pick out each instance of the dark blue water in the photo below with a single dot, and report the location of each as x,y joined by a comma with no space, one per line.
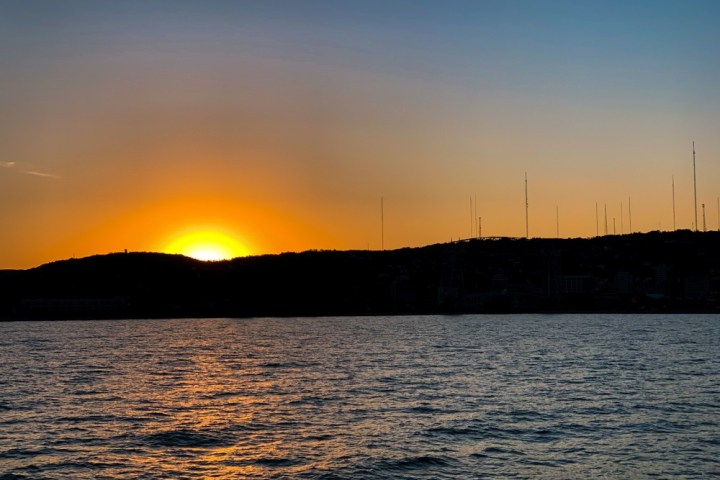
527,396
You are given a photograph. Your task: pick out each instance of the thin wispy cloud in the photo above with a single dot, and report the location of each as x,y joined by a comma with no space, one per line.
40,174
35,173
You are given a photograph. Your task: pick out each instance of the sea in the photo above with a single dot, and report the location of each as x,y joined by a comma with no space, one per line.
409,397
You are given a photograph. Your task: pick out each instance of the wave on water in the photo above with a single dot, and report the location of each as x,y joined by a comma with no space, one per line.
13,476
454,431
276,462
495,450
422,461
26,452
413,466
185,438
426,409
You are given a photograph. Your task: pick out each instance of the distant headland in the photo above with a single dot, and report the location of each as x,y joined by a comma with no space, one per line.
648,272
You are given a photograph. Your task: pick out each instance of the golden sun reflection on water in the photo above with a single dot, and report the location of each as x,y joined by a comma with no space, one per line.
207,423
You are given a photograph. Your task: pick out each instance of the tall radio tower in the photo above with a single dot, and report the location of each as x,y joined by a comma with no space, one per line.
695,188
673,193
597,224
606,224
382,224
527,230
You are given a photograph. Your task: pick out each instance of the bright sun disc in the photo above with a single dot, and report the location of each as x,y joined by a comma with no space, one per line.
207,245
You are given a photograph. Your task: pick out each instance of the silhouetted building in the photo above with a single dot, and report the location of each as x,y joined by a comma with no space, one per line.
575,284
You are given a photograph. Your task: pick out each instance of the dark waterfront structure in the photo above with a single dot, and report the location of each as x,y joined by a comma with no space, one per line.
651,272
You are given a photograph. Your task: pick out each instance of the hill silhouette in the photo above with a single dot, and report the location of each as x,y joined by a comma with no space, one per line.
651,272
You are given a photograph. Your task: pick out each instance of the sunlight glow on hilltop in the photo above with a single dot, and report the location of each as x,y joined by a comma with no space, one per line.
207,245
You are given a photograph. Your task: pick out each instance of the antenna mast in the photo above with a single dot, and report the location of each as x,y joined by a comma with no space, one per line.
695,187
704,225
527,230
475,215
382,225
597,223
606,224
673,193
472,218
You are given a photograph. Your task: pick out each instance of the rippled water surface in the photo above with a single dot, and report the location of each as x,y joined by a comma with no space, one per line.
567,396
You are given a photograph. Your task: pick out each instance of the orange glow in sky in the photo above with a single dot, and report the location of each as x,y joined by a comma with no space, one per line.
219,129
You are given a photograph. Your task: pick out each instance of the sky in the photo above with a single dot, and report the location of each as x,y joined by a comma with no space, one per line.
276,126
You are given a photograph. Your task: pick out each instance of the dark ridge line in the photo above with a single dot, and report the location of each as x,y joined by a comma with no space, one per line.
633,273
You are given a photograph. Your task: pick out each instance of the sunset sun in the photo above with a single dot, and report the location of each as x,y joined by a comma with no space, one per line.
207,245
